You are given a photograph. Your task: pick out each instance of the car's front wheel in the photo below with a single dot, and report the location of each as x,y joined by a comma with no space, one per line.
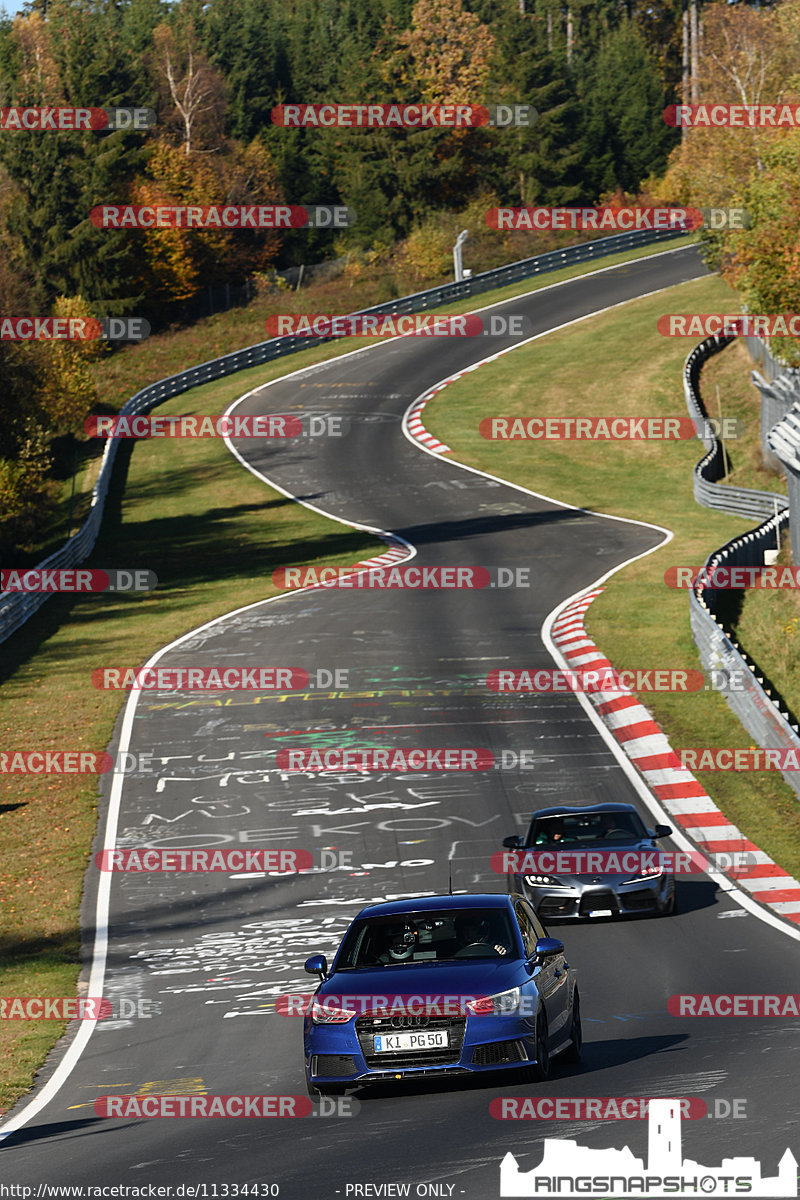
539,1071
573,1052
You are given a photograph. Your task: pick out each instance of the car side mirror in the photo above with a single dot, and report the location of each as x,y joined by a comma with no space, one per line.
662,831
317,965
548,947
514,842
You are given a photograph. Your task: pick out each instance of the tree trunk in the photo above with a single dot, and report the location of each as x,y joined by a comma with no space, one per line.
569,36
695,52
685,74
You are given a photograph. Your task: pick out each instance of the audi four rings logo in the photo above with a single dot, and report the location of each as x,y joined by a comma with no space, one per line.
408,1022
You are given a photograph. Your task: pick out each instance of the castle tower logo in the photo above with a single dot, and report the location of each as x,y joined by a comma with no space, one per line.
569,1170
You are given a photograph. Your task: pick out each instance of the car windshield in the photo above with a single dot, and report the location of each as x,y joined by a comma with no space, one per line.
586,827
428,937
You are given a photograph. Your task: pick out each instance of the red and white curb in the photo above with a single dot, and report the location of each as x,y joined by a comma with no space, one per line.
675,788
417,430
394,555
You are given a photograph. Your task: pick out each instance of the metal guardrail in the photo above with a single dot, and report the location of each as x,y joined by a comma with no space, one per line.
759,712
769,366
708,491
784,442
16,608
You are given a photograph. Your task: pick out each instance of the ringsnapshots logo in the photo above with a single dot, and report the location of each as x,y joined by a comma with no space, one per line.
76,580
399,115
222,216
73,329
411,577
732,116
568,1170
330,325
71,120
606,429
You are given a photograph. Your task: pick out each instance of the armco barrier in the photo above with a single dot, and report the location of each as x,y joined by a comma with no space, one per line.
16,608
754,705
784,442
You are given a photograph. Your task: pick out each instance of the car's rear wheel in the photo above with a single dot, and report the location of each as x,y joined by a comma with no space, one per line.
539,1071
573,1052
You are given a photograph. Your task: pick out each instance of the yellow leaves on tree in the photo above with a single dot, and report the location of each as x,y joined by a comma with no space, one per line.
38,75
444,58
749,57
178,262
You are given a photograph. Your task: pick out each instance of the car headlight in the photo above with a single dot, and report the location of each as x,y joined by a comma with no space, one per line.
503,1002
544,881
328,1014
648,875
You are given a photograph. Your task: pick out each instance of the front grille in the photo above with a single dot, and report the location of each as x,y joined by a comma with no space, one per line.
367,1027
494,1053
332,1066
639,900
555,906
600,899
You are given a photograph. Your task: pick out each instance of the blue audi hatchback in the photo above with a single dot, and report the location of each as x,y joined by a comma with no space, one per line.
441,985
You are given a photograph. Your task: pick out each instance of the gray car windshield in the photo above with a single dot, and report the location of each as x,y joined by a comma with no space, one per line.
428,937
586,827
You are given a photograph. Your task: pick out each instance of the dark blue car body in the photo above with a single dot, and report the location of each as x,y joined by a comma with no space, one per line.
529,978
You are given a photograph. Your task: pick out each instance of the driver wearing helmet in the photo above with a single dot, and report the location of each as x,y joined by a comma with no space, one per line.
400,944
474,929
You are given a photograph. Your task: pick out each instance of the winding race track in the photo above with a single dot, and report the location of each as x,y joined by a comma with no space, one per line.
203,958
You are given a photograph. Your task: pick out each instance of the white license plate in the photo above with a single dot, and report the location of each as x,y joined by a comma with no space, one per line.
601,912
427,1039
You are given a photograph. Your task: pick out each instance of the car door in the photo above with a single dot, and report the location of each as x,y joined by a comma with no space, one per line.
552,977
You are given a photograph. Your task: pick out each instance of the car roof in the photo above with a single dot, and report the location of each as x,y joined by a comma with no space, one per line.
563,809
436,903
